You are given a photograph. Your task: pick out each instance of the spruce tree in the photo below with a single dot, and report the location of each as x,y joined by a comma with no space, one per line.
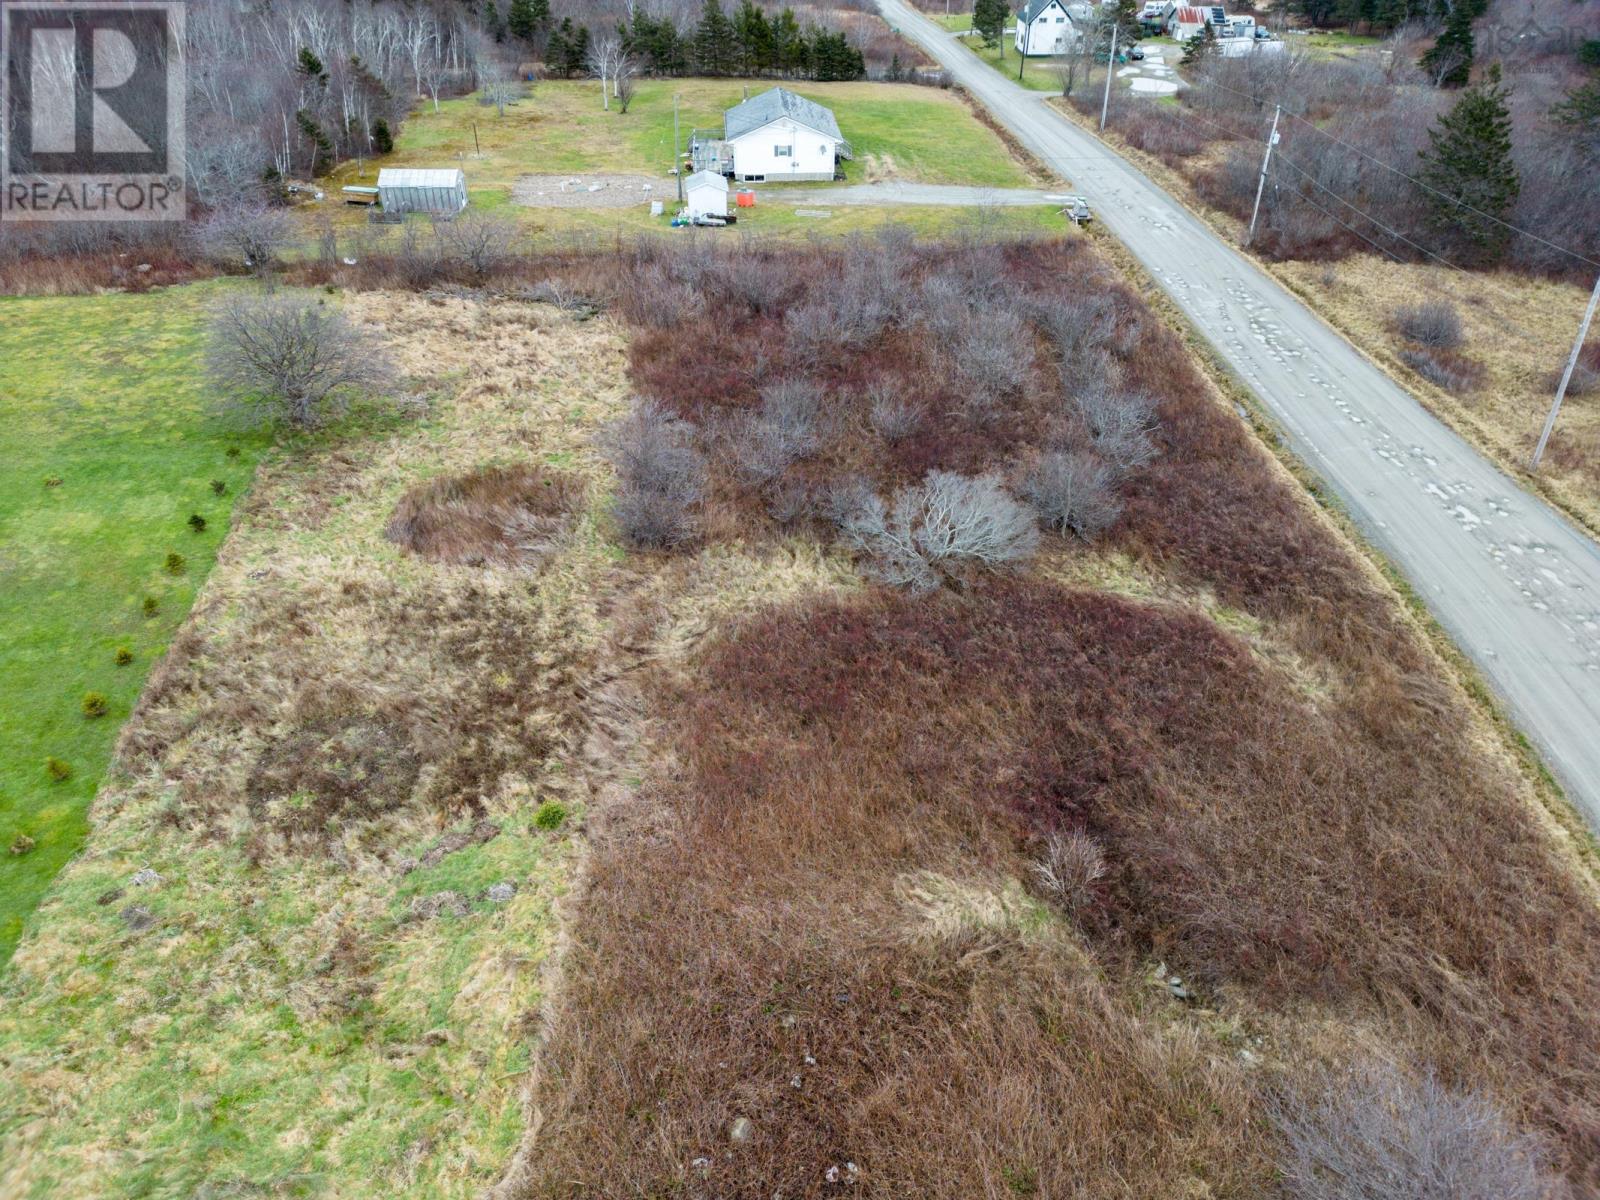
521,20
493,24
714,41
989,19
1449,60
1200,47
790,50
754,37
1469,167
1578,117
558,51
382,139
576,60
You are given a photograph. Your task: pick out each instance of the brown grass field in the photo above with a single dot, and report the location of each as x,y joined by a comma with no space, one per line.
793,938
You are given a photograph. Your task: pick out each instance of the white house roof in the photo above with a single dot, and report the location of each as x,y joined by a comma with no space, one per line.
420,177
779,102
710,179
1034,8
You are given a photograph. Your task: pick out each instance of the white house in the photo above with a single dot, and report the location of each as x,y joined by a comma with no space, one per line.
779,135
1044,27
412,189
706,195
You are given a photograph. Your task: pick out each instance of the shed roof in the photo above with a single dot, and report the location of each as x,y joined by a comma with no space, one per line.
779,102
708,179
422,177
1190,16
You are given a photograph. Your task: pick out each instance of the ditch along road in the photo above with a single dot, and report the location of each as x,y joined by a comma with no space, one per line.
1515,584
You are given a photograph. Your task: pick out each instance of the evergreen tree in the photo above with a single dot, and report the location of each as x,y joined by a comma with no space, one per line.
1129,30
791,53
321,143
834,58
754,38
311,66
1589,53
521,20
1468,164
494,25
576,60
1449,59
715,42
989,19
1200,47
558,50
382,139
1578,117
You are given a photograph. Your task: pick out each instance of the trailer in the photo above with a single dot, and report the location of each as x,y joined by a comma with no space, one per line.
356,194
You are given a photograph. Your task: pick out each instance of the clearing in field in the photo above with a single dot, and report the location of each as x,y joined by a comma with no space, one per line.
899,131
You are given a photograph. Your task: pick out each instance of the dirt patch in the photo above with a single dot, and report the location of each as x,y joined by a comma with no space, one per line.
588,191
500,516
341,770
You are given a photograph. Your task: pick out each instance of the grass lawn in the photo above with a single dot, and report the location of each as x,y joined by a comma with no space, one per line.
956,22
1039,74
929,136
103,394
772,220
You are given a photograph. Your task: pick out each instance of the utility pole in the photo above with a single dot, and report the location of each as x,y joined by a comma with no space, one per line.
1566,377
1111,69
677,157
1272,140
1027,42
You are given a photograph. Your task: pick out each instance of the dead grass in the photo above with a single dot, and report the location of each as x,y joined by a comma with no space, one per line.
334,774
505,516
1291,811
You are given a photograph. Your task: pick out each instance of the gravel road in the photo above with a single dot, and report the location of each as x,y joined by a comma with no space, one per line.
1514,583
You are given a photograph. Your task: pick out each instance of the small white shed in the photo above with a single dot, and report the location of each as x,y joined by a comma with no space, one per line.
415,189
706,195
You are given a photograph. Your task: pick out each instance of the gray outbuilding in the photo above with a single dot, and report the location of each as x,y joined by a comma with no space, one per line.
418,189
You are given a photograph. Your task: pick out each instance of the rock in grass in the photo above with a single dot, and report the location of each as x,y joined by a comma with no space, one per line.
137,917
499,893
741,1131
145,877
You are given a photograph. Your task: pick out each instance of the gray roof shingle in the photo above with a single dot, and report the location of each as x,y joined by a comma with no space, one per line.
779,102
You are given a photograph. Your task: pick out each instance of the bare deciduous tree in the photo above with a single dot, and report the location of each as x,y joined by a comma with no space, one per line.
660,474
1073,493
605,55
946,521
251,235
480,242
625,82
296,359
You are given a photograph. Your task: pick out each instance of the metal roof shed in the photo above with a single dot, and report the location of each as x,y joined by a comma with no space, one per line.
414,189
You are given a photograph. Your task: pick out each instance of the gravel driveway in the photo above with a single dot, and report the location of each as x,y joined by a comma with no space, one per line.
589,191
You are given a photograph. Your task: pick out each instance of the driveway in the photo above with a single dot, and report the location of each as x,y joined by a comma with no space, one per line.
1514,583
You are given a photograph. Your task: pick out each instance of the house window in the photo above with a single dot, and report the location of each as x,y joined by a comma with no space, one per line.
1059,20
783,151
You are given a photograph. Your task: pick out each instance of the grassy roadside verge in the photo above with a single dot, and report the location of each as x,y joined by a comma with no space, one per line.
1501,418
1497,731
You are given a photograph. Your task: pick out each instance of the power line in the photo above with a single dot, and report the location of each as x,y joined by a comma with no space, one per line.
1315,128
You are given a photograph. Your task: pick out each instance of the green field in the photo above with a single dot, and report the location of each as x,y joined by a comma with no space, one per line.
108,448
923,135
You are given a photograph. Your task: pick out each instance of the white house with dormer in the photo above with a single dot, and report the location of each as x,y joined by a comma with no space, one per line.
1045,27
